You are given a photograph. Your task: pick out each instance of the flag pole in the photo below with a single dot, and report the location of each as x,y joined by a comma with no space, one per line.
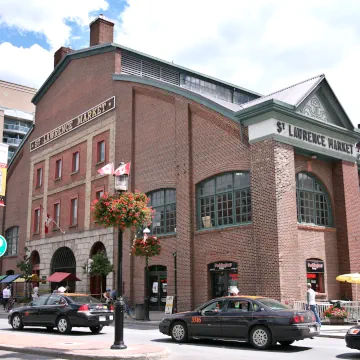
62,231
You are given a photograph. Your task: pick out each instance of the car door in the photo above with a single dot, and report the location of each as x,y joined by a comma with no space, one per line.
30,316
50,311
208,322
236,318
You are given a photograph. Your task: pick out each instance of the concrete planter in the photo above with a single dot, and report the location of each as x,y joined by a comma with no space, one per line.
335,320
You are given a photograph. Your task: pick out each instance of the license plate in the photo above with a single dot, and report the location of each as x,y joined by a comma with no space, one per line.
111,317
102,318
313,329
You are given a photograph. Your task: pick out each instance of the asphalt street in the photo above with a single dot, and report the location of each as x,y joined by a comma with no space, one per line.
319,348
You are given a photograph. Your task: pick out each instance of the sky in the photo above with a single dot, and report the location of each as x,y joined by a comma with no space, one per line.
261,45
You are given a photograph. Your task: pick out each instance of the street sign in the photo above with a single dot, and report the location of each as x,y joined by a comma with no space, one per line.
169,305
3,246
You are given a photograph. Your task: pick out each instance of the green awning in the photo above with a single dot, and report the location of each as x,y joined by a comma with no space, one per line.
3,276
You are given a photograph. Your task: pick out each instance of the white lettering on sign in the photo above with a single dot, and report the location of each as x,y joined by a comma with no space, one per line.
223,265
303,137
315,266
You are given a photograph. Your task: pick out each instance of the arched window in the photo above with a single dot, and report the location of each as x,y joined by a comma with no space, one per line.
313,203
224,200
12,238
164,203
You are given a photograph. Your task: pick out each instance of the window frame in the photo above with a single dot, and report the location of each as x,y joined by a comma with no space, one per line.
199,224
98,152
38,183
35,231
10,240
314,192
99,189
60,168
55,227
71,224
163,206
73,162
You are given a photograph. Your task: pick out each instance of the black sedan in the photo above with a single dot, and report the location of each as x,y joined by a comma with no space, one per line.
352,338
63,311
258,320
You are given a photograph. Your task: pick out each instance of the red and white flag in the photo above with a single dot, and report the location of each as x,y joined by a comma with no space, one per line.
123,169
48,221
107,169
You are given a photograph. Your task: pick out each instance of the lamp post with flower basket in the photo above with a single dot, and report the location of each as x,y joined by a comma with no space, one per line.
148,246
124,210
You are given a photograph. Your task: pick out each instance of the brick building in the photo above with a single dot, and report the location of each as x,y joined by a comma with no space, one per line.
261,192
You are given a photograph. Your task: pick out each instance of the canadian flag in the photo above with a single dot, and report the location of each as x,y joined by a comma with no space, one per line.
107,169
123,169
48,221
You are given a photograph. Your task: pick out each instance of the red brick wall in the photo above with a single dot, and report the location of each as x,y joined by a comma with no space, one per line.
67,175
96,185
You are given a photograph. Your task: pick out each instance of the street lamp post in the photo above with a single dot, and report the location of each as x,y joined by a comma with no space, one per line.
175,281
121,184
146,232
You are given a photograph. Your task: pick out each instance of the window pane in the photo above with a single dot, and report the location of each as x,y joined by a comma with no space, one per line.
158,221
170,218
241,180
58,169
224,183
170,196
243,206
101,151
207,187
207,212
75,162
99,194
74,211
224,209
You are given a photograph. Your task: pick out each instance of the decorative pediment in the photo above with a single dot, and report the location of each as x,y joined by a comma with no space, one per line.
315,109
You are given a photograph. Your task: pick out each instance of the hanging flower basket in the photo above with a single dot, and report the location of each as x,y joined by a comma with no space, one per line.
125,210
146,247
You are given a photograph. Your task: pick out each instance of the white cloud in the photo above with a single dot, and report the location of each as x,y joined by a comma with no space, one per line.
25,66
262,45
31,66
49,17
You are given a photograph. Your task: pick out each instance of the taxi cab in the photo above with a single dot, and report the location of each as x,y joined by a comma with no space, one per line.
259,320
63,311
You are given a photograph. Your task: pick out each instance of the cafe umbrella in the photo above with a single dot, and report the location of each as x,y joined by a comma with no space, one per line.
351,279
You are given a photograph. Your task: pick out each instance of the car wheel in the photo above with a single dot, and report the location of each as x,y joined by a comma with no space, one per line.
16,322
286,343
260,337
96,329
63,325
179,332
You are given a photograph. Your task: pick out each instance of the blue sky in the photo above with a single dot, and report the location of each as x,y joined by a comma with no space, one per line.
263,45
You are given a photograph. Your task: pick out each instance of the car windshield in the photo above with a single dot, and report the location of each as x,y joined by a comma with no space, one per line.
273,304
83,299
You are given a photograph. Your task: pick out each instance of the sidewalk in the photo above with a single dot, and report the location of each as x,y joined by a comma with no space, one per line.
335,331
79,349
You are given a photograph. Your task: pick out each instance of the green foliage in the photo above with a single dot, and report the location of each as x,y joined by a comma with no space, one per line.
147,248
25,265
100,266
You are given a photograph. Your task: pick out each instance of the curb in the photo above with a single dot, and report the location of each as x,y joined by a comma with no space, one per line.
164,354
332,336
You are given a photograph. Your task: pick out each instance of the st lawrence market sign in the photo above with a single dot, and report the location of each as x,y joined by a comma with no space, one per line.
74,123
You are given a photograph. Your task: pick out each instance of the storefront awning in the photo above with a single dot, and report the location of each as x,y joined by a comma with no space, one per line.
60,276
3,276
33,277
9,279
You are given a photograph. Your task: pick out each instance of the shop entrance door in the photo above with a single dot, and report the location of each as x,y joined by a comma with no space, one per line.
157,287
224,276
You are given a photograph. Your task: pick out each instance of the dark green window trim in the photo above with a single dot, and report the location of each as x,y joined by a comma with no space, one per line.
163,201
224,200
313,202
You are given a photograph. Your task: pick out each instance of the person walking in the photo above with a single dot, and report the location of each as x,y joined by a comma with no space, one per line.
6,296
312,303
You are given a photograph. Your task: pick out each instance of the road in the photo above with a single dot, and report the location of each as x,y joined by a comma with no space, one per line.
319,348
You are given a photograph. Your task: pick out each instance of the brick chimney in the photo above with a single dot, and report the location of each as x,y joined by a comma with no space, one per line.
101,31
59,54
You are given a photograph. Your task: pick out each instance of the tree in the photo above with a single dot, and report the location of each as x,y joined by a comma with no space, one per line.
26,268
100,266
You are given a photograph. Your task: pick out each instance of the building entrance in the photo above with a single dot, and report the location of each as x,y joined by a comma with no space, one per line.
157,287
224,276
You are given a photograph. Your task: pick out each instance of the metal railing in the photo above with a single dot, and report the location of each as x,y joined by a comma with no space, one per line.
23,129
8,140
351,307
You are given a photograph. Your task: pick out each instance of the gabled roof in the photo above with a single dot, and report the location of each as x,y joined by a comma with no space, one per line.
292,95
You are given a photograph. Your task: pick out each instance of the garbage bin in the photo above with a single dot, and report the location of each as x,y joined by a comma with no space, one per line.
139,312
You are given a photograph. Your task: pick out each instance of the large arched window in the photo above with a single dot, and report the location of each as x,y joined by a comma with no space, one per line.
164,203
224,200
313,203
12,238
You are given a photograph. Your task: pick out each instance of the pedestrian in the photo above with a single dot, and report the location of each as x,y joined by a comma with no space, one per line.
62,289
113,294
35,294
6,296
234,291
312,303
106,295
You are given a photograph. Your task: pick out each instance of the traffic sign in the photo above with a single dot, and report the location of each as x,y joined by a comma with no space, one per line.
3,246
